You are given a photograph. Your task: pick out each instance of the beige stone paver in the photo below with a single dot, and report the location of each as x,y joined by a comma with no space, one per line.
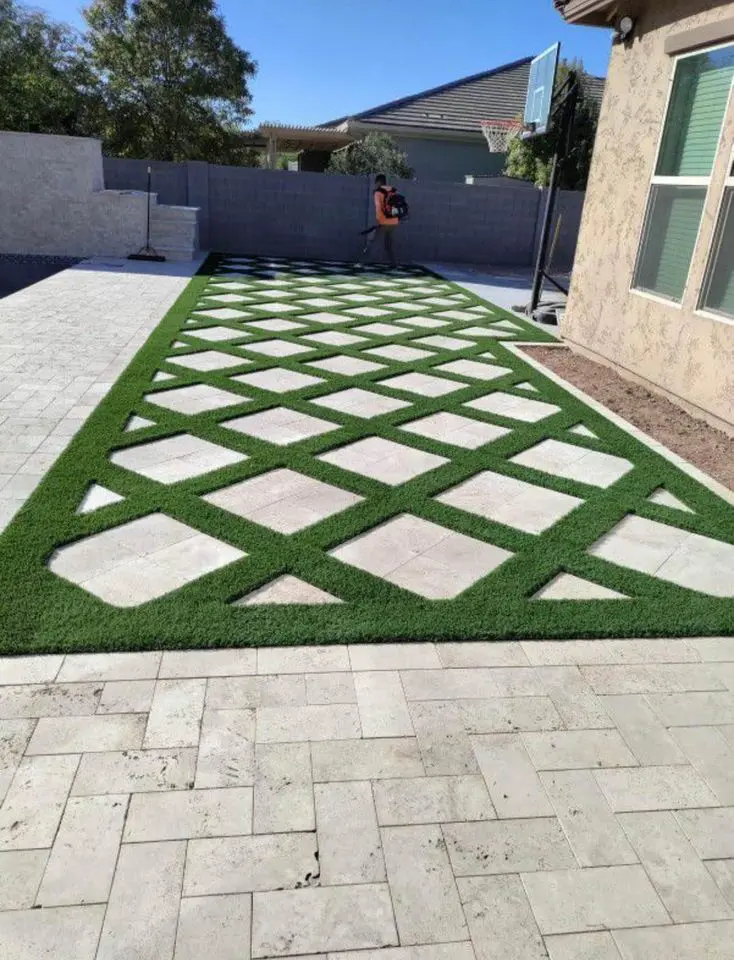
453,801
75,333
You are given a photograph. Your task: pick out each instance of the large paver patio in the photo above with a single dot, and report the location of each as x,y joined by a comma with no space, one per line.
301,452
470,801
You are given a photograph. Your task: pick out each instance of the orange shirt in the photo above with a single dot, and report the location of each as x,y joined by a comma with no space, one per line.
383,220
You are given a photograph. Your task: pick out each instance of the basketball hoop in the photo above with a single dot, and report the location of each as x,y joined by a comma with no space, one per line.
498,133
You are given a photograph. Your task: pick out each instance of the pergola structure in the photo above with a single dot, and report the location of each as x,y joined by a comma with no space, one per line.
284,138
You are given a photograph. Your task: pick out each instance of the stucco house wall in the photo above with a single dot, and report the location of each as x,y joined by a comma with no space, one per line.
676,348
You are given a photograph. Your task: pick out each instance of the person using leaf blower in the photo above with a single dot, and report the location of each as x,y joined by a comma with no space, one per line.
390,208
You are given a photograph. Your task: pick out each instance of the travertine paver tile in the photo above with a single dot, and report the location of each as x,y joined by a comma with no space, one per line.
509,714
643,732
16,670
133,771
34,803
471,683
184,814
126,696
713,649
143,907
582,946
393,656
20,876
239,693
516,503
289,922
574,462
424,894
322,722
723,873
56,700
680,942
330,688
692,709
570,652
207,663
383,710
510,775
565,586
84,853
711,832
277,380
574,699
500,920
175,714
302,659
360,403
479,654
175,458
214,926
669,553
69,933
440,729
592,829
596,898
681,880
226,749
432,951
578,749
432,800
87,734
14,737
284,796
282,500
654,788
653,678
366,759
244,864
456,430
513,407
280,426
507,846
349,839
712,755
109,666
383,460
286,590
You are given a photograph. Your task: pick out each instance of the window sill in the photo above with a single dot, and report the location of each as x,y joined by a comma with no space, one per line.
656,299
720,317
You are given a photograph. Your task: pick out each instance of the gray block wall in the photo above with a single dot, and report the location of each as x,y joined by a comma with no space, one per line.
282,213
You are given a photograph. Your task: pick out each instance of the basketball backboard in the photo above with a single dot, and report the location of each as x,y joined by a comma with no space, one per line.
540,91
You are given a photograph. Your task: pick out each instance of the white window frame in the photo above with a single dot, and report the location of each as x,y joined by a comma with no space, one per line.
701,309
656,180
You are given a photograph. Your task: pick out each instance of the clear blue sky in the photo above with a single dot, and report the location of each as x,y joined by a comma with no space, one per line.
321,59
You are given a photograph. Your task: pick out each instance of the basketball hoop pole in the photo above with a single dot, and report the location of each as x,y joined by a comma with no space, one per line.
567,111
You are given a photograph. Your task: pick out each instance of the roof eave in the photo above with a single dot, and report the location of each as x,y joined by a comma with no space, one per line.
592,13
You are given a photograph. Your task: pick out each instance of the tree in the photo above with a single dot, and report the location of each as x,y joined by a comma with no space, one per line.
173,83
43,82
377,153
531,159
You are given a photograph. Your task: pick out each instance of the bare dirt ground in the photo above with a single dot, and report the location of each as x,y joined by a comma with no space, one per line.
704,446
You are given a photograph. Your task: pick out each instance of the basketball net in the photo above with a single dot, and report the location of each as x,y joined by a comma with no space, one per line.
498,133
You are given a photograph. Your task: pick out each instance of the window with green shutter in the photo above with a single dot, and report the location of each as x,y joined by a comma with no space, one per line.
699,98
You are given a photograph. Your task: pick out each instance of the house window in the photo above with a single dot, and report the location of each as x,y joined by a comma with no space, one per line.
699,98
718,287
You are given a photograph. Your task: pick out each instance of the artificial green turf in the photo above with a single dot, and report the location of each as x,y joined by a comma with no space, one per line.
40,611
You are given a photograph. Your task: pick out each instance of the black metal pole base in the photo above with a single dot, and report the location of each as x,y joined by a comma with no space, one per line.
147,252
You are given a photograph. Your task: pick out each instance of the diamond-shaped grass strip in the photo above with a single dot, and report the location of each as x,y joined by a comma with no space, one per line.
177,618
